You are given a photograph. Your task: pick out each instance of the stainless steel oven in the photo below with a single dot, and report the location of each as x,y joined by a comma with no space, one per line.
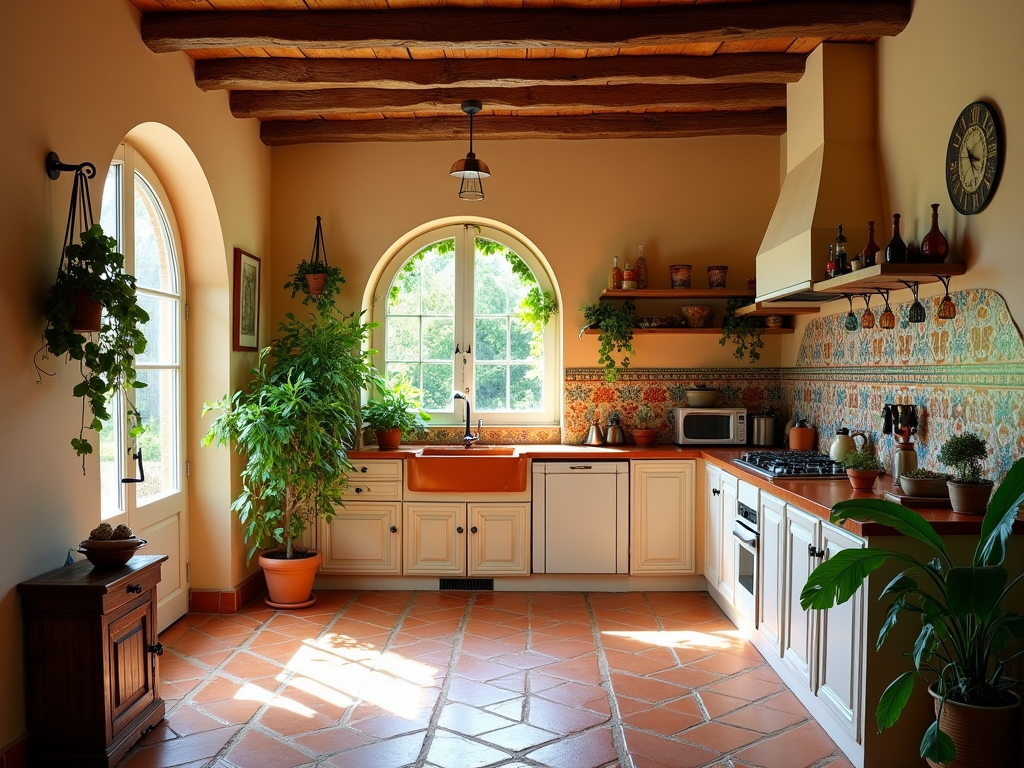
746,545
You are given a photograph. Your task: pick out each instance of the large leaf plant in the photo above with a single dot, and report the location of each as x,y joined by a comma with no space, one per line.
966,639
295,425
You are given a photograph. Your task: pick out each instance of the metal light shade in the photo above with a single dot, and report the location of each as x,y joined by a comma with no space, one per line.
851,322
470,167
887,320
916,313
947,309
471,170
867,319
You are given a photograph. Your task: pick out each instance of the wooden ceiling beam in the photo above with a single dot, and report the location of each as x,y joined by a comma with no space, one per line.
653,125
311,74
338,102
465,29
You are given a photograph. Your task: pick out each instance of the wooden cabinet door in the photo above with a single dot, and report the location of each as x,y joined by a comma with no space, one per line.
661,511
840,655
375,480
498,539
727,570
132,669
799,637
712,524
434,538
771,519
363,537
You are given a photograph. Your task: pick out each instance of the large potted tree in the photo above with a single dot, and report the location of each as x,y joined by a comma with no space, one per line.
295,425
966,639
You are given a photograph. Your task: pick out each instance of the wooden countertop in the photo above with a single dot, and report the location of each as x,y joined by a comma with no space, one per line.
814,496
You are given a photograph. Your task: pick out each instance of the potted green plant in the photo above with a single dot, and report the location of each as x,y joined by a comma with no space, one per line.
394,413
295,425
968,490
93,271
318,280
644,432
743,331
925,483
966,639
615,333
862,467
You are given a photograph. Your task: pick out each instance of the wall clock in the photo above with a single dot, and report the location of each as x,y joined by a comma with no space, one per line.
974,157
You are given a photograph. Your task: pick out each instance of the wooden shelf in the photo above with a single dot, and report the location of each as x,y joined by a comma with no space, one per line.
716,331
684,294
887,276
765,308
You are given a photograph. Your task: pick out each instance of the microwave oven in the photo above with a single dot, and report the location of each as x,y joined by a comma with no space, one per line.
705,426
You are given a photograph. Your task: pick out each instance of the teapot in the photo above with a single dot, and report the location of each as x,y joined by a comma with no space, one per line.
846,442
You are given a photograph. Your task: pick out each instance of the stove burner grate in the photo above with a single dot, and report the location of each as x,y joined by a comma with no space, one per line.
795,464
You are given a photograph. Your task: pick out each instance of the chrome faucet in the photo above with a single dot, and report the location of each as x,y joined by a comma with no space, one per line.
468,439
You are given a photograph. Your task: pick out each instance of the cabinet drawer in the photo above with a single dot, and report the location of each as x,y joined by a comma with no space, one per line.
376,479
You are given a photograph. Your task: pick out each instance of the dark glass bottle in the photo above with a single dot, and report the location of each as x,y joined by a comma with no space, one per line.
934,246
896,250
871,248
842,265
830,265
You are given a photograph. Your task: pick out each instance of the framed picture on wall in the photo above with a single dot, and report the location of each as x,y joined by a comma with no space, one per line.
247,301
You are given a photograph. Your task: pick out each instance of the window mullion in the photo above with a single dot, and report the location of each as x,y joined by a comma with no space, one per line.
465,318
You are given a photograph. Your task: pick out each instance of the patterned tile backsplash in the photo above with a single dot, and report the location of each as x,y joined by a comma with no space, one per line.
965,374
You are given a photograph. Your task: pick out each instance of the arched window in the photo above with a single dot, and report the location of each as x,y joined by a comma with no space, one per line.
452,317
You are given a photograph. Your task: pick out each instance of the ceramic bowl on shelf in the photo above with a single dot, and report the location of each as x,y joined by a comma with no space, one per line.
773,321
697,315
110,553
701,398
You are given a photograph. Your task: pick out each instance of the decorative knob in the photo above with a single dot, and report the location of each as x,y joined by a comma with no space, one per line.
363,469
817,553
459,529
473,529
358,489
715,491
394,529
134,589
157,649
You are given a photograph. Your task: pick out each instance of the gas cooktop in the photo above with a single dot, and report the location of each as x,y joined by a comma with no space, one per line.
796,464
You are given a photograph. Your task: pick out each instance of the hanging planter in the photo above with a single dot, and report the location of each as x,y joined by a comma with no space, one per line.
318,280
92,312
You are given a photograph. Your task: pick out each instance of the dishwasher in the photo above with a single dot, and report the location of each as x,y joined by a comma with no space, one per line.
581,517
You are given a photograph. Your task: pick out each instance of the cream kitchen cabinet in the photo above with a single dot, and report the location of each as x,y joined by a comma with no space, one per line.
365,535
823,648
450,538
662,517
712,523
771,521
727,572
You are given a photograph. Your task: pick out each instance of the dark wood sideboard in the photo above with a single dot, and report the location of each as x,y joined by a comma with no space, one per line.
91,661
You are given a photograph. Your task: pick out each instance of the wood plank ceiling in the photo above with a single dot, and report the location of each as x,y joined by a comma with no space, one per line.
398,70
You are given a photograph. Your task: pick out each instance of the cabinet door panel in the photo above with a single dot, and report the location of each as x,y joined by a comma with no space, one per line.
661,511
375,480
432,542
499,539
359,539
132,686
840,657
771,521
727,572
799,639
712,524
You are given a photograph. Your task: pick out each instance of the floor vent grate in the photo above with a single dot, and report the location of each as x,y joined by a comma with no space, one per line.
477,584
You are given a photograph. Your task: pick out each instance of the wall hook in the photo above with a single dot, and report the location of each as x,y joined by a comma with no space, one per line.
54,167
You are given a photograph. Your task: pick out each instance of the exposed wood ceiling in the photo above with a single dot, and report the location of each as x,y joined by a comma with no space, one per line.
398,70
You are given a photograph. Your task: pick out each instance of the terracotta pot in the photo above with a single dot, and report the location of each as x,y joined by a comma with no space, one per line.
969,498
388,439
862,479
644,436
802,438
984,736
920,486
290,582
87,315
315,282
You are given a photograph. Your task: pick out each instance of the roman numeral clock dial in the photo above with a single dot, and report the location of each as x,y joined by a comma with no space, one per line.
973,157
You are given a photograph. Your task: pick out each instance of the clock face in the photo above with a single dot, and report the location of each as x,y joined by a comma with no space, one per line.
973,158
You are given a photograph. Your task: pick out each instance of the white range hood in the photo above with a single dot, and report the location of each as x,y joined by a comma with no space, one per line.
831,172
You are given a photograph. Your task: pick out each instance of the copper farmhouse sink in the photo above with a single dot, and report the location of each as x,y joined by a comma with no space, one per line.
453,469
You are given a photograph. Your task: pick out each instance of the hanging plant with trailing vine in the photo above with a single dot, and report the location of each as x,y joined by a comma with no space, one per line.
615,334
745,332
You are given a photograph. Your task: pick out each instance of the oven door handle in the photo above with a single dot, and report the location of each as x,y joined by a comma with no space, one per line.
744,534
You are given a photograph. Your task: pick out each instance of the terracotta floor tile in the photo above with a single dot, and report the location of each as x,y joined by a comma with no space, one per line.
398,751
687,677
488,648
798,748
719,737
291,723
726,664
787,702
574,694
564,631
662,720
212,660
331,740
472,721
386,726
169,690
477,669
477,694
270,637
717,705
182,750
582,669
257,750
762,718
450,750
195,643
511,709
643,663
519,737
563,649
233,711
525,660
186,720
559,718
588,750
489,629
646,689
246,664
749,688
667,752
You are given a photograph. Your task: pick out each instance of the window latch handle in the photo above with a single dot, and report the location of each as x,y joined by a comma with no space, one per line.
137,456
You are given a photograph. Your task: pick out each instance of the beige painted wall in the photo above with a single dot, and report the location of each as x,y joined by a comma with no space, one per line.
949,56
694,201
75,78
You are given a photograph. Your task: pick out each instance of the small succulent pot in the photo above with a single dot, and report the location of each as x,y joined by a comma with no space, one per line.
680,275
717,276
862,479
969,498
924,486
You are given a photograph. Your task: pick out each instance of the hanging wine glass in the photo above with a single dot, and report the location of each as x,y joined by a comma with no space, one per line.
867,318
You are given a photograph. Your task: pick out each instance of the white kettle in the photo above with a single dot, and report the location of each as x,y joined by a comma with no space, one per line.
846,442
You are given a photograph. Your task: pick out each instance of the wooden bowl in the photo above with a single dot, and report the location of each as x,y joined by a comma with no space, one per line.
110,553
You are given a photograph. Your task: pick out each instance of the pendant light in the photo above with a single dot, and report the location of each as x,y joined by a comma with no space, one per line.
470,170
947,309
916,313
867,319
887,320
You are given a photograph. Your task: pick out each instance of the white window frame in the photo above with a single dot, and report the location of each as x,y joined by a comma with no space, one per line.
465,234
